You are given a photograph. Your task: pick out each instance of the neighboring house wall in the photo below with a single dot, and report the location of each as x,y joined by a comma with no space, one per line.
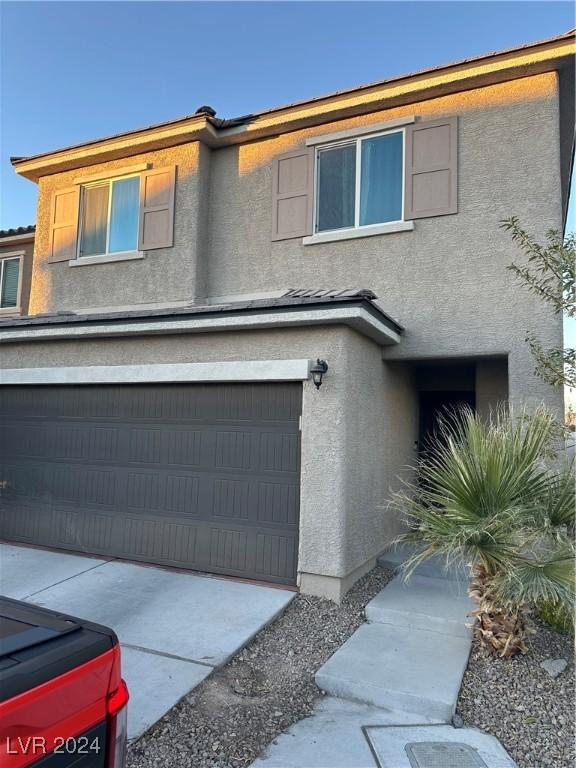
25,248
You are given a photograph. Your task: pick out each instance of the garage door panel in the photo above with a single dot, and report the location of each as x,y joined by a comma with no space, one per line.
22,522
232,498
165,493
166,445
199,476
278,503
276,555
280,452
86,531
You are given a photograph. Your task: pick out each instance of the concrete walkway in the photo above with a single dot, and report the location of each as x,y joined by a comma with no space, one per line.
395,682
412,653
175,628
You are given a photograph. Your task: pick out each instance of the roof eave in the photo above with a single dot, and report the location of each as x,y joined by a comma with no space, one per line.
356,312
521,62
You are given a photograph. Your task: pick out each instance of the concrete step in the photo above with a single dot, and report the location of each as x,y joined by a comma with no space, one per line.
398,668
435,566
423,602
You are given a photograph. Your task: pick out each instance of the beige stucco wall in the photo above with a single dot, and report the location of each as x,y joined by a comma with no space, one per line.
446,281
165,275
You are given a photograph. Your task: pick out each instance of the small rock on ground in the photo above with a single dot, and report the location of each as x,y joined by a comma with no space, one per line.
234,714
518,701
554,667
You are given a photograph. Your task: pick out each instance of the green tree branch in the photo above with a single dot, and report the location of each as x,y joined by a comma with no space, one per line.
550,273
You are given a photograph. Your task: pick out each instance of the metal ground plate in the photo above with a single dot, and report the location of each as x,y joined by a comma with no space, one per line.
437,754
434,746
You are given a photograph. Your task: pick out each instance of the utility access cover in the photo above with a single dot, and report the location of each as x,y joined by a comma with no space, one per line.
438,754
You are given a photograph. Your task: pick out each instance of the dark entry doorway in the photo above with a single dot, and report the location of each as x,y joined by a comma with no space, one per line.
432,406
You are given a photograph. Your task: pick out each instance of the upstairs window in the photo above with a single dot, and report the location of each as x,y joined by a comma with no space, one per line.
360,182
109,218
10,283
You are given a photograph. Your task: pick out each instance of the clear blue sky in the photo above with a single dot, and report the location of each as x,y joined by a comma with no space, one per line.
73,71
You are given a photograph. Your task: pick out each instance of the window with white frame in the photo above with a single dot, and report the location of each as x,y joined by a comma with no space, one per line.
109,218
360,182
10,283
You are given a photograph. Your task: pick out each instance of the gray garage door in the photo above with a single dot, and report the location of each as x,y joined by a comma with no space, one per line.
197,476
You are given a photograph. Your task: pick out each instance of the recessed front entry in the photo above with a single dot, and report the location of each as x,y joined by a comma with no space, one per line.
435,406
205,477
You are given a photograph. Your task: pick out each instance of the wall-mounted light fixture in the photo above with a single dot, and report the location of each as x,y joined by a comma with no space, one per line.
318,370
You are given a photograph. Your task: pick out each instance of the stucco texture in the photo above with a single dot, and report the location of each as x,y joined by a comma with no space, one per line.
446,281
164,275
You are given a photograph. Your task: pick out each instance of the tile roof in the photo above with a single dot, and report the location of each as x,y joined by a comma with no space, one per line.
329,293
30,229
285,303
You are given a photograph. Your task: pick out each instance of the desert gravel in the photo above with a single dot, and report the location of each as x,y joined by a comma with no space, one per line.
519,702
229,718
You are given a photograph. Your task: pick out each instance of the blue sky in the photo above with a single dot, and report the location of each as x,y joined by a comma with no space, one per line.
73,71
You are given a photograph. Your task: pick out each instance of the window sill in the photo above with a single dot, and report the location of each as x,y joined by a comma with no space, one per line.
85,261
10,311
352,234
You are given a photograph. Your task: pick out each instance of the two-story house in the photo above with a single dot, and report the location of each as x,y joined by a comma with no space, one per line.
158,404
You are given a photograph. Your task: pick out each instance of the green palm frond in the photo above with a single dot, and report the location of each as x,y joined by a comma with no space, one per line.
558,501
485,494
482,468
548,578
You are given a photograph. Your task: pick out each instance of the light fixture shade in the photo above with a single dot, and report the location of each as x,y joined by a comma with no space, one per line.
318,370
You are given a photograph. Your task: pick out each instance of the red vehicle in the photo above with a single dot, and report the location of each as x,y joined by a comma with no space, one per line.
62,697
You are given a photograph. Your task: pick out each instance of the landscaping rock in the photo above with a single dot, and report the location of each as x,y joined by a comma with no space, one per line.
554,667
518,701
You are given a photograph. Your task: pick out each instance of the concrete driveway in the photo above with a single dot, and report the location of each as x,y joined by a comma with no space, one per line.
175,628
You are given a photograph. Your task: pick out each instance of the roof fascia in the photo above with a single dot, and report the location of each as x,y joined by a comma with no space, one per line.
544,57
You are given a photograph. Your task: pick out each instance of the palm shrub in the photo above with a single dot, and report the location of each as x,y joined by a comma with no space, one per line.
489,495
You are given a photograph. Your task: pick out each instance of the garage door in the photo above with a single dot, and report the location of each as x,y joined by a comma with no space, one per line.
197,476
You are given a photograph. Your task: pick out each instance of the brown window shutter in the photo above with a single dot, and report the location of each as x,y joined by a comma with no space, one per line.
157,194
64,224
292,192
431,169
